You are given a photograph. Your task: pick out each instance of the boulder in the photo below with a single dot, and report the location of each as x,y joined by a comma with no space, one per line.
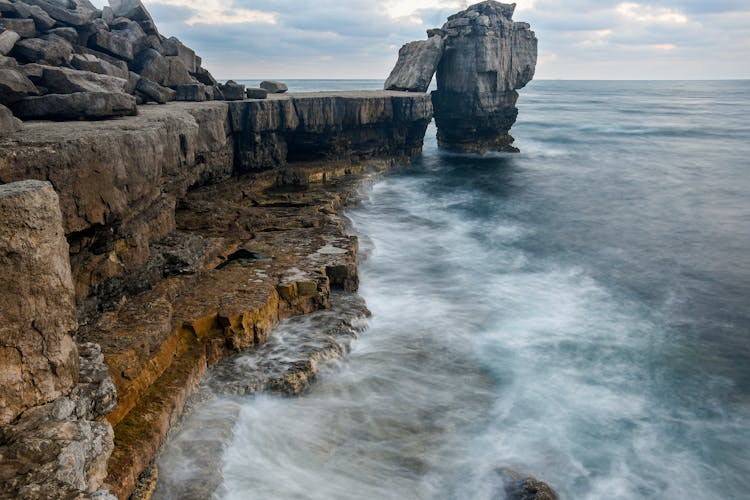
51,50
89,62
80,14
42,20
256,93
112,43
134,34
8,122
78,106
36,299
274,87
24,27
8,40
193,92
487,57
178,73
173,47
519,486
15,86
416,65
135,10
69,81
108,15
152,91
68,34
204,77
152,65
232,91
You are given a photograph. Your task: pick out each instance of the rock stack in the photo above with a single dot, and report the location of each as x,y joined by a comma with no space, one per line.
66,60
481,57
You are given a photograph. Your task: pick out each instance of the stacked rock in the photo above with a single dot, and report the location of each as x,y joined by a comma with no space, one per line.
481,57
65,59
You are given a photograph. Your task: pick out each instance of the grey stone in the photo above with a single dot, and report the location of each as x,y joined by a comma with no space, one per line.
204,77
8,40
78,106
274,87
108,14
232,91
416,65
478,76
519,486
192,92
37,300
50,49
68,34
155,92
42,20
69,81
24,27
15,86
8,62
173,47
79,15
8,122
133,32
112,43
256,93
89,62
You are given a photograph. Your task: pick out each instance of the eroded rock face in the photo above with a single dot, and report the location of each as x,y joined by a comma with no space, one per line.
487,58
37,302
416,65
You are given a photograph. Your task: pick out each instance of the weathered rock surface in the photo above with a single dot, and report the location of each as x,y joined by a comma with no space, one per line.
14,86
482,58
256,93
8,40
274,87
232,91
8,122
175,268
416,65
40,361
487,58
112,42
519,486
76,106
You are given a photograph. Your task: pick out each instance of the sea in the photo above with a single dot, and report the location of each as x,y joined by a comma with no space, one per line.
578,312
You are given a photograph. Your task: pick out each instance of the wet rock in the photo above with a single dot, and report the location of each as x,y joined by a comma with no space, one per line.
487,58
232,91
154,92
36,299
519,486
274,87
24,27
50,50
256,93
8,122
70,81
77,106
15,86
416,65
8,40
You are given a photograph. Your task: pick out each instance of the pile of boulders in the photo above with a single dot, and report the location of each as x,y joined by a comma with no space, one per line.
66,59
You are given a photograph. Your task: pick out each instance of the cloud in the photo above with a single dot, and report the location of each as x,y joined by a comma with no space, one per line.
360,38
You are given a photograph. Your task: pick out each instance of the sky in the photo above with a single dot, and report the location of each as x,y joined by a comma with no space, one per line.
578,39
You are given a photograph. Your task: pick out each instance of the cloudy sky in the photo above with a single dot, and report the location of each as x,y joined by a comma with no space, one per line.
578,39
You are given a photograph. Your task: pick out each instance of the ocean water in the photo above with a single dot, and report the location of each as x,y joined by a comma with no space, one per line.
578,312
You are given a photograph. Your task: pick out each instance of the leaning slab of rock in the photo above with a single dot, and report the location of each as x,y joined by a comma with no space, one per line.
274,87
416,65
24,27
69,81
8,122
78,106
113,44
89,62
152,91
37,300
51,50
74,13
15,86
232,91
8,40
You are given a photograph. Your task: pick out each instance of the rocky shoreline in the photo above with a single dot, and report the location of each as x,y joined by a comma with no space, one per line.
144,247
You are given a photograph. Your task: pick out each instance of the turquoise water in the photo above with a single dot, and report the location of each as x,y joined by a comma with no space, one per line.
578,311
